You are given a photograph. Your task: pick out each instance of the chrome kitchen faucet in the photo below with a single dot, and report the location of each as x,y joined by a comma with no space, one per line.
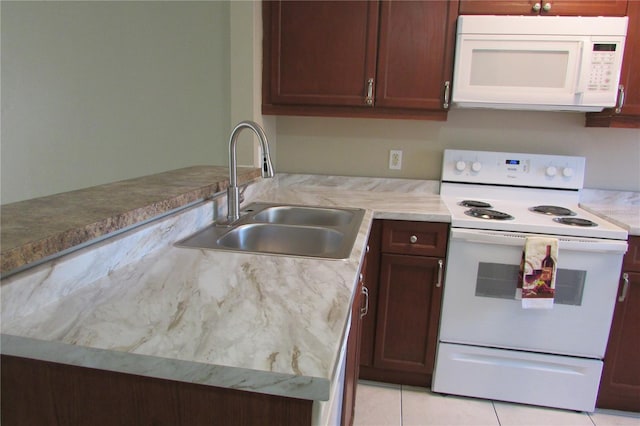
233,196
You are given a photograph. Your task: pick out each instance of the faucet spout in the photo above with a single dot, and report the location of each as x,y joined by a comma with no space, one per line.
233,197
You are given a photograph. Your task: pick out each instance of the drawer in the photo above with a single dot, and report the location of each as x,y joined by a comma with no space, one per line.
417,238
524,377
631,262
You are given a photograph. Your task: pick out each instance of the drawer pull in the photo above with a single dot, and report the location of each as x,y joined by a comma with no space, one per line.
369,99
413,239
364,311
625,287
447,88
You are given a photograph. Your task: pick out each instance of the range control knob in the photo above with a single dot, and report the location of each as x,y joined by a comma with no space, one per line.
551,171
567,172
476,166
461,165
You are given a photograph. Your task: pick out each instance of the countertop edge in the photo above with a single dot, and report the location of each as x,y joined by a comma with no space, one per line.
279,384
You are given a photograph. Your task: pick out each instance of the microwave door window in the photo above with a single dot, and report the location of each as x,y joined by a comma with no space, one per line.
521,71
512,68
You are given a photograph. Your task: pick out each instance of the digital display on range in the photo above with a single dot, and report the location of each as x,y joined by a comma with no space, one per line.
512,162
604,47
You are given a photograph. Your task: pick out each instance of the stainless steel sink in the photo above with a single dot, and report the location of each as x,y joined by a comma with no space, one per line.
285,230
298,215
284,239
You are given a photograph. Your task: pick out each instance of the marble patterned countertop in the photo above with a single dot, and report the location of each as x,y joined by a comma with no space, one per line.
134,303
619,207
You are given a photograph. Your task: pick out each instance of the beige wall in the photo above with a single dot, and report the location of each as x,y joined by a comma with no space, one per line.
94,92
360,147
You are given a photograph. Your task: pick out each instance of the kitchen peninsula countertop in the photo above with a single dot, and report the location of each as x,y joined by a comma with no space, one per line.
35,229
137,304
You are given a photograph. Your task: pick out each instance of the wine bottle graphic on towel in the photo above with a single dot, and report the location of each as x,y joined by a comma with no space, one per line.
540,268
547,268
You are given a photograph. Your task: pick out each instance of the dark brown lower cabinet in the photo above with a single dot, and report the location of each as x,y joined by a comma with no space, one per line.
352,369
359,310
44,393
407,300
620,382
408,309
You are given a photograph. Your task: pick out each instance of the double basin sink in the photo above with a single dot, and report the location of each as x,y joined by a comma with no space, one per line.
293,230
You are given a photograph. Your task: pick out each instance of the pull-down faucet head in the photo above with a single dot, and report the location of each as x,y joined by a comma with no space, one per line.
233,198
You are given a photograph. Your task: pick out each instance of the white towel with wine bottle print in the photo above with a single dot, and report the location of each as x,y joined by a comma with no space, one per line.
539,261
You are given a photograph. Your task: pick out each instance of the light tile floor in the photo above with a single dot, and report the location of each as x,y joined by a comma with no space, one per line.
382,404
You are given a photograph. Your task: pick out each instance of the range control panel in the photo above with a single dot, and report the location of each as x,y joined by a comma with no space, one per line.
513,169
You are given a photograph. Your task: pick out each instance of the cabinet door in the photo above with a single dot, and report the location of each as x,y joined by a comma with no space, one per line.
585,7
629,115
353,357
497,7
322,53
371,282
620,382
408,313
415,54
535,7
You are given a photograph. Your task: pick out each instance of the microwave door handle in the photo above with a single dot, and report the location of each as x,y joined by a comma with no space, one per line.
583,70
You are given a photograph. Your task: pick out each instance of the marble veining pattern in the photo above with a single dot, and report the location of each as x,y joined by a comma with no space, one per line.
269,323
135,303
619,207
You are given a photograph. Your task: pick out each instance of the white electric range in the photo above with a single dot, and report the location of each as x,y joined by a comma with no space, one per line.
489,345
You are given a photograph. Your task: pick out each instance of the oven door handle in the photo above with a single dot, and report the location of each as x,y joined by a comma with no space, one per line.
518,239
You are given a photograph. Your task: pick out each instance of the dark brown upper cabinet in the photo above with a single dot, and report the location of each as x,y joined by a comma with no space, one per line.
542,7
358,58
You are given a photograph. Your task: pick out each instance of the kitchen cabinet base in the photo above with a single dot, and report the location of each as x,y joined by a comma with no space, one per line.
45,393
398,377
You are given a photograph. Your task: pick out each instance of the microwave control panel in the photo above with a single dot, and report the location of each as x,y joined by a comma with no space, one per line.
603,64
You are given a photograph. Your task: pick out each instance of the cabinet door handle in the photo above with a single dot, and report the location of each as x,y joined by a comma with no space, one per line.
620,102
447,87
625,287
364,311
546,7
536,7
369,99
440,269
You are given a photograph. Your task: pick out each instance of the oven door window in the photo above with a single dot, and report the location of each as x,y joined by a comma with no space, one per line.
500,281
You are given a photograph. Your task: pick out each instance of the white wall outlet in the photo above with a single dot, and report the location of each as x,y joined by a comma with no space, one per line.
395,159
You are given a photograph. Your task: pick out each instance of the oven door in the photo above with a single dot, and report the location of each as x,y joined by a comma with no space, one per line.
480,305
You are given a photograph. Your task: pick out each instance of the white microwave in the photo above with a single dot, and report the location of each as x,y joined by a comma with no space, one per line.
561,63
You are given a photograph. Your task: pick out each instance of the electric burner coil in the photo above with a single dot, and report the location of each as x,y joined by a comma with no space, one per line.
475,203
488,214
553,210
575,221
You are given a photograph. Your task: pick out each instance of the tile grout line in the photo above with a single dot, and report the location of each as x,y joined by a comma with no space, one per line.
401,395
495,411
